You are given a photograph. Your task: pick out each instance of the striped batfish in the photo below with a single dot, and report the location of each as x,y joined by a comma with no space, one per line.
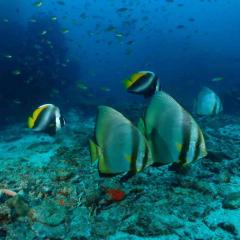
145,83
207,103
118,146
173,135
46,118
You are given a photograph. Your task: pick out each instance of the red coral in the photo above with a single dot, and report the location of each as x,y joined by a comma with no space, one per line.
115,194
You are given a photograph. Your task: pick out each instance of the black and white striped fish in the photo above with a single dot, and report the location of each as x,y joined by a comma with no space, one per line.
46,118
144,83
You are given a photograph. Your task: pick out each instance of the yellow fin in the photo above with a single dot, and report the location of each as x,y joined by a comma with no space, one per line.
94,151
30,122
96,154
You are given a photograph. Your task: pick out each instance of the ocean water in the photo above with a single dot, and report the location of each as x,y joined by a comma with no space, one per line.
76,55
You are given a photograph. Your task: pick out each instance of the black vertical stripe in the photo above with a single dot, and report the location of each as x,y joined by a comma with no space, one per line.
197,146
41,117
144,80
146,156
146,150
214,112
146,85
45,118
135,145
136,140
155,144
187,126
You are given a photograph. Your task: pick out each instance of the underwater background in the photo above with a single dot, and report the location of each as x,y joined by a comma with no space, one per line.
76,54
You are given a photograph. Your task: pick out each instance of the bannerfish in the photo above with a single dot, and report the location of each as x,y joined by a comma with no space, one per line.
207,103
145,83
46,118
118,145
172,133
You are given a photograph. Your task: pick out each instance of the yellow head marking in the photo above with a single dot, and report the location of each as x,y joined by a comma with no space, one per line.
127,83
134,78
33,118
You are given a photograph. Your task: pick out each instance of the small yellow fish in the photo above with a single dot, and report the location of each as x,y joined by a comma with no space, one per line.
217,79
82,86
33,20
119,35
105,89
44,32
38,4
54,18
8,56
65,30
16,72
16,101
55,91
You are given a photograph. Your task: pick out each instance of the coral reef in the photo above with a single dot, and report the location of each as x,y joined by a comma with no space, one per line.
61,196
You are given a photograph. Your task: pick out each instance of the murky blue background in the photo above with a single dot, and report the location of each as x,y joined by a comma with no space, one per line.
187,43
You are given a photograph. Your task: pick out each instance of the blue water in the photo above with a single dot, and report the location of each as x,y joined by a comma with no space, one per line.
187,43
